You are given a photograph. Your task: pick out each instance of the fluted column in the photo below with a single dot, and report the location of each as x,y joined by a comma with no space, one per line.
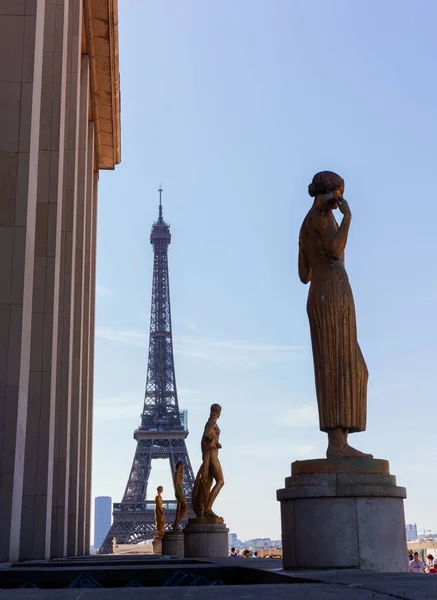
87,334
61,458
82,291
75,508
21,35
38,466
93,260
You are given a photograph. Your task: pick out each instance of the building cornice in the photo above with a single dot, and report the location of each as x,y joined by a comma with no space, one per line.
101,24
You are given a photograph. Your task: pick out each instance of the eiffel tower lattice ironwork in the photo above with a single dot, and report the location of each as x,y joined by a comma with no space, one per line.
162,432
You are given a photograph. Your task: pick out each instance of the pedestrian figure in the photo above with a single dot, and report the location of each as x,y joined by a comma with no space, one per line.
416,565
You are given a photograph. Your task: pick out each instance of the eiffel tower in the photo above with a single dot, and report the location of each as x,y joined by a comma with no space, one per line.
161,433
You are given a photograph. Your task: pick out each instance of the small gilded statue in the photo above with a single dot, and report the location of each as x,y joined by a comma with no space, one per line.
340,370
159,513
203,496
182,506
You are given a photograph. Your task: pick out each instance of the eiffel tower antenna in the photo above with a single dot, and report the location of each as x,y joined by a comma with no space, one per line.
160,202
163,430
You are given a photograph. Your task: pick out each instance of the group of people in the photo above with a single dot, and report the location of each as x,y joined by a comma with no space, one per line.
243,554
415,564
418,566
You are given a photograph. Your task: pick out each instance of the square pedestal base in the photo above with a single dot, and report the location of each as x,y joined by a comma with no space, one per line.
339,520
157,545
205,539
173,543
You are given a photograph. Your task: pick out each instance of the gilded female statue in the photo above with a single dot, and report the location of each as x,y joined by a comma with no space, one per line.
159,513
203,496
182,505
340,370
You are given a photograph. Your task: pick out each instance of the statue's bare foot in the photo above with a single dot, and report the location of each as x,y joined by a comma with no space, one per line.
210,513
345,452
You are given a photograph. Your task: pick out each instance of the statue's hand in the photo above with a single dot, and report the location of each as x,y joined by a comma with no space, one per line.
343,207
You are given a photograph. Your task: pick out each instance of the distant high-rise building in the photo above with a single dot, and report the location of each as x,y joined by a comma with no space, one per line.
102,519
232,540
184,419
259,543
411,531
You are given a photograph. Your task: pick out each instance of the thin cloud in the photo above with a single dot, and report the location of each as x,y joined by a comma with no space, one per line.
135,337
190,325
102,291
190,399
116,408
235,353
230,353
269,451
299,417
129,406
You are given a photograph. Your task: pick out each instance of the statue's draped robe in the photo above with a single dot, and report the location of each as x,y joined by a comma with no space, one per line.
159,517
340,370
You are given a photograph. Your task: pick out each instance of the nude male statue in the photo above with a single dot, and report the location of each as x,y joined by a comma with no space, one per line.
210,469
182,506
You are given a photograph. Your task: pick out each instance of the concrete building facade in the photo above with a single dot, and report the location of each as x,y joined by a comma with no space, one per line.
59,125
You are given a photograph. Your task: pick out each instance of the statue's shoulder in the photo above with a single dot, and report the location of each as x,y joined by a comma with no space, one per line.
309,223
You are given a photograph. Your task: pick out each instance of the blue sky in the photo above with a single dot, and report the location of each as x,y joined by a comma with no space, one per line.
233,106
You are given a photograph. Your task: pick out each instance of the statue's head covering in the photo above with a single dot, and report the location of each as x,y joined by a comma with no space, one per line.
324,182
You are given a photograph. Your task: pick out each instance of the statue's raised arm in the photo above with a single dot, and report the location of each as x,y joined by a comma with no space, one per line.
340,370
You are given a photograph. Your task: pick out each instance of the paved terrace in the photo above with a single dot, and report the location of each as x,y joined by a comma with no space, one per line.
248,579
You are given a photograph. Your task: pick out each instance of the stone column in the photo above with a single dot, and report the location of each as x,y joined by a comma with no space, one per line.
21,41
83,450
75,500
94,179
38,466
62,416
62,300
87,333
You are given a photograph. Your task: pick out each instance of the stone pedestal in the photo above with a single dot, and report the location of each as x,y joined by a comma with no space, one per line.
340,513
205,537
157,545
173,543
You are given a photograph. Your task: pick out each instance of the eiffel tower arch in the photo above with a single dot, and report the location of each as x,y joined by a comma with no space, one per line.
162,432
